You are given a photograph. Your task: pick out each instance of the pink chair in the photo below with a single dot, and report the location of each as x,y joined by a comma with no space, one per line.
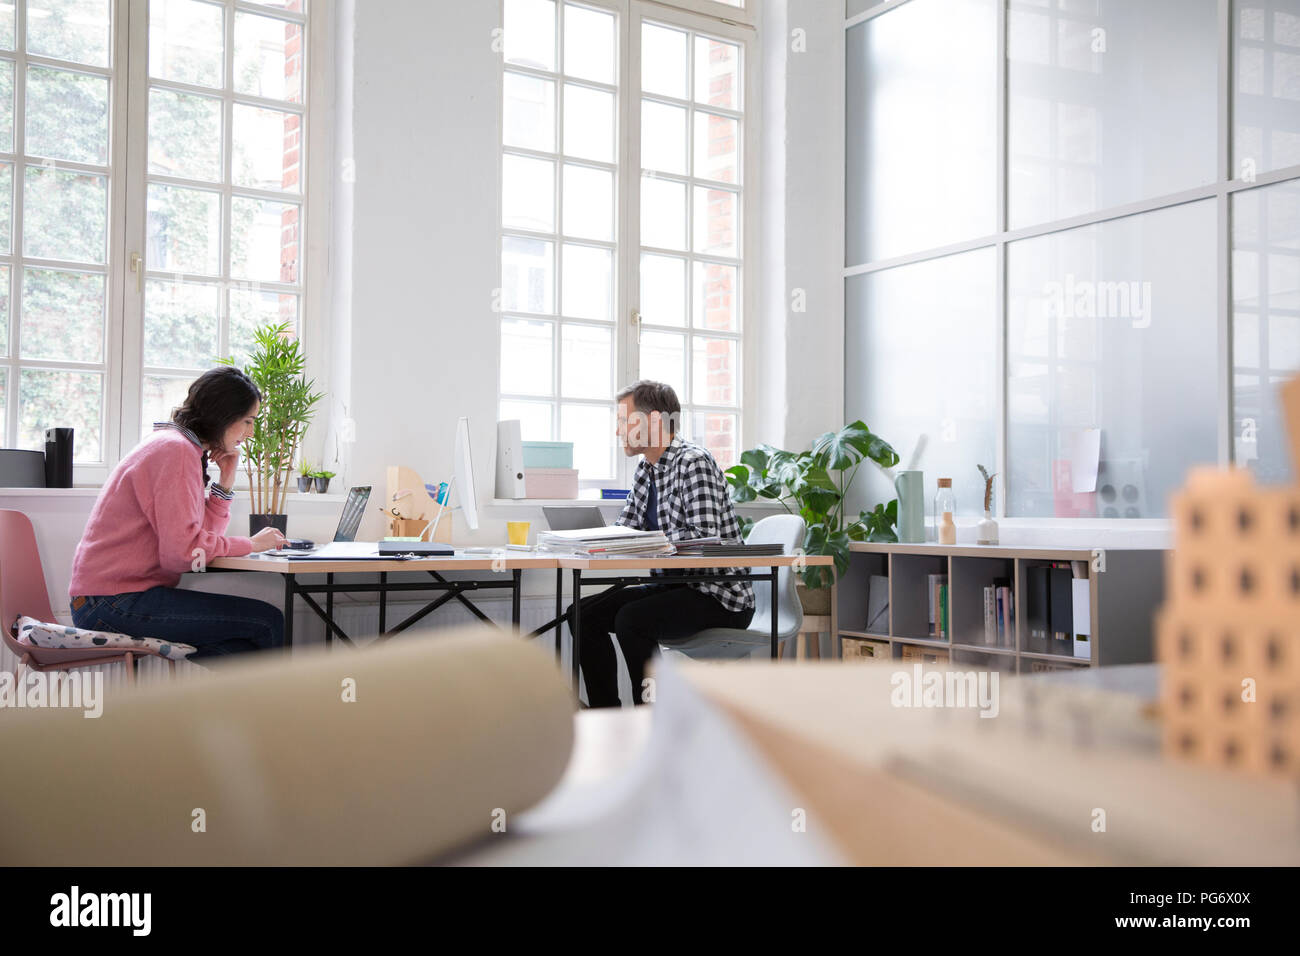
23,591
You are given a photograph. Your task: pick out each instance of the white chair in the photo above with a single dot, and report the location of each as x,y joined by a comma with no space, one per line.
727,643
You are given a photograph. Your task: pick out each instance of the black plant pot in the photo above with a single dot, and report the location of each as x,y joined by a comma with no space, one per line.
304,484
257,522
322,485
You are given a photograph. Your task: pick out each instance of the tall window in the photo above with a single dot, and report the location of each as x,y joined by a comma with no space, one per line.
622,243
1062,255
151,209
224,195
57,75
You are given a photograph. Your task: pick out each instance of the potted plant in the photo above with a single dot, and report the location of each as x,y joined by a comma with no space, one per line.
816,482
306,476
288,402
323,481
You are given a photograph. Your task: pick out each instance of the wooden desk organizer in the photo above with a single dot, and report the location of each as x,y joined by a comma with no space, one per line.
411,509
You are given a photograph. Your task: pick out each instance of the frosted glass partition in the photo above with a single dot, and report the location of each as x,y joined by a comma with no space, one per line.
1266,86
853,7
1266,322
921,147
1112,327
921,359
1109,102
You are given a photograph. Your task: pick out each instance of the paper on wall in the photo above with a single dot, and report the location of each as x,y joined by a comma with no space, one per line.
1085,455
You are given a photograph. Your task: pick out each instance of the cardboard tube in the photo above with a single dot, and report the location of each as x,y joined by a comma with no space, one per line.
446,736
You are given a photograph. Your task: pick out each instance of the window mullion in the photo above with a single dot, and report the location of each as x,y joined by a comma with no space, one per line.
626,341
18,216
129,145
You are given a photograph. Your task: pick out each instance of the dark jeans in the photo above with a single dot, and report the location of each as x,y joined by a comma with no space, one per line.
216,624
641,617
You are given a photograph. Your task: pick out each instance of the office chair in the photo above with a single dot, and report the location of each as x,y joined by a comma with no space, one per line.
23,592
729,643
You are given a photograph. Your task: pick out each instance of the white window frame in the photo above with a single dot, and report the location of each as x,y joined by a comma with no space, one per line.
733,24
110,365
123,362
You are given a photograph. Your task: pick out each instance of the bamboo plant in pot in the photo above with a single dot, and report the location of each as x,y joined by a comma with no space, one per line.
288,403
814,484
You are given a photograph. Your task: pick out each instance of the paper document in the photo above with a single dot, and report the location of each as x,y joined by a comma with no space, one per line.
1085,454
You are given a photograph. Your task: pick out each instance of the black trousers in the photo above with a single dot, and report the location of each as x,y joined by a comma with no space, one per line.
641,617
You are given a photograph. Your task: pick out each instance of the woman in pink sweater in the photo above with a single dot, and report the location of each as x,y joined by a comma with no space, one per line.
158,516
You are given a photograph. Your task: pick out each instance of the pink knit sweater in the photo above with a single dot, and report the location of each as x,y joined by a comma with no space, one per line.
150,517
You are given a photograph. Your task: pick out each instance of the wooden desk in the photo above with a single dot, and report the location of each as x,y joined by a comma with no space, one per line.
290,568
761,568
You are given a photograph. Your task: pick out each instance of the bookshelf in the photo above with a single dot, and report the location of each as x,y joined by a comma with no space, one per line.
1124,588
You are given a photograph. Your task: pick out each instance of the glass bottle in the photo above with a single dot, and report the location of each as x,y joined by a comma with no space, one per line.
944,506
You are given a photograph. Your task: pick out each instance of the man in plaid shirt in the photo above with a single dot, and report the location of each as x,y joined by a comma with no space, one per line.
679,489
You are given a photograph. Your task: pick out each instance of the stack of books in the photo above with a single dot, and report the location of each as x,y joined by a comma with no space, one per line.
614,541
999,614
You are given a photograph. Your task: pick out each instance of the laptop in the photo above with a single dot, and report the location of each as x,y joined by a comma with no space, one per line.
344,544
573,519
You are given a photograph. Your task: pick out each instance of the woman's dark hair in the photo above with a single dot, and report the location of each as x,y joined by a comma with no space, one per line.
216,400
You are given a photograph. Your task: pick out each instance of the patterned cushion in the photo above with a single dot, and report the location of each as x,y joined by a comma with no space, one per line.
39,634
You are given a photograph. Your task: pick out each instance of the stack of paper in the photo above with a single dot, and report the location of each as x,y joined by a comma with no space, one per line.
609,542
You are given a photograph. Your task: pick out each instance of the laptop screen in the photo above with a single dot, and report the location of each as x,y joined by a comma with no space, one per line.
573,519
353,508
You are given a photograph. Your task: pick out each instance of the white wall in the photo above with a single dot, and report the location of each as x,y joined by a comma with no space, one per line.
412,311
807,59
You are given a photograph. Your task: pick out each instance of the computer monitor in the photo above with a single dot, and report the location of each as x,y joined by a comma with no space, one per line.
464,475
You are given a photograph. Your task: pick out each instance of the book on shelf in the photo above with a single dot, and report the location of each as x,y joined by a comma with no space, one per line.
943,609
877,604
937,585
990,615
1082,616
1061,615
1007,635
1036,606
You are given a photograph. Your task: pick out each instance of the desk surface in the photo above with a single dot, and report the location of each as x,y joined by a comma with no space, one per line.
502,561
505,561
714,561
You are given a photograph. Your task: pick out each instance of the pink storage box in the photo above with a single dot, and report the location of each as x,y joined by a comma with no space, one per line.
551,483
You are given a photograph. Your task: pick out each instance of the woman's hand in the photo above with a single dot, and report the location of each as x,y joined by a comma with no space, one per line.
228,462
267,539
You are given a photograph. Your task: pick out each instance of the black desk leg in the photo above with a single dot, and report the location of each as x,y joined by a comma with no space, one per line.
288,610
516,597
774,610
383,600
575,626
329,609
559,605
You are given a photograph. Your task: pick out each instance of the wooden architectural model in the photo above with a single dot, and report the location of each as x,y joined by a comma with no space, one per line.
1228,636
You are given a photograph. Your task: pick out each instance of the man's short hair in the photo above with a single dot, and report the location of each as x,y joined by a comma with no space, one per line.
648,396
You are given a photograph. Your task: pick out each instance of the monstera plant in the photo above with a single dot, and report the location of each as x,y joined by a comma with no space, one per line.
814,485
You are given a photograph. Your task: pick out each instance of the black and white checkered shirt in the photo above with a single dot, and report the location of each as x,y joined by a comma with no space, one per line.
692,503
